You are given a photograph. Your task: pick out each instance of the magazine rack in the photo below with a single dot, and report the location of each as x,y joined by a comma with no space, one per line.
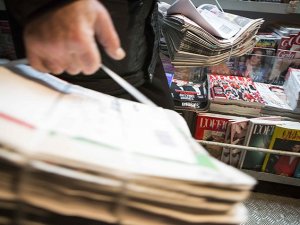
262,66
269,68
261,175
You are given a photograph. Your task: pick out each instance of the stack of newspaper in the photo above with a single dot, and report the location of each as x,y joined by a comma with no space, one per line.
70,155
205,36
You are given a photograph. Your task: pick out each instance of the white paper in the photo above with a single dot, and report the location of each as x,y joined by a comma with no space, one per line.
29,102
104,132
207,20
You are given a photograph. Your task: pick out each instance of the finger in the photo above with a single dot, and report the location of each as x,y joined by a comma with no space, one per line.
107,35
42,59
36,63
90,58
86,56
52,66
34,59
74,64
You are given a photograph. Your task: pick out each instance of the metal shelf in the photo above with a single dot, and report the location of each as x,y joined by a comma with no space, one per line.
261,175
273,178
260,7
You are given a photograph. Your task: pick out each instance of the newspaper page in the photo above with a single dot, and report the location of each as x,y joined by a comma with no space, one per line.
99,154
205,18
111,123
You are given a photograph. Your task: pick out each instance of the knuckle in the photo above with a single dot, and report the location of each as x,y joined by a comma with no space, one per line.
77,37
73,70
91,69
88,68
57,71
52,67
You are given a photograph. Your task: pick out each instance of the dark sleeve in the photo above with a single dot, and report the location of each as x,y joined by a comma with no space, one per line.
23,10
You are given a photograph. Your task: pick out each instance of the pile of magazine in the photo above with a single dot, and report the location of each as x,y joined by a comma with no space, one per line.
69,155
239,95
271,132
234,95
205,36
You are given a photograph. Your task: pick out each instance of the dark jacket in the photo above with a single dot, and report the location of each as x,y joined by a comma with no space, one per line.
132,19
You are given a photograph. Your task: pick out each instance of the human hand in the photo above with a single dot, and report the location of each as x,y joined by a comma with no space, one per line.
65,39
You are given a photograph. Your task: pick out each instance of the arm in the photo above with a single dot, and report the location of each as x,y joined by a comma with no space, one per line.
63,38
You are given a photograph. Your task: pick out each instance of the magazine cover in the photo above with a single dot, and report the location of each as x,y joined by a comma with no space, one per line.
234,66
188,85
287,139
238,133
259,135
233,88
273,95
189,94
225,157
284,60
193,74
295,46
267,40
189,88
212,127
235,134
292,88
257,65
297,171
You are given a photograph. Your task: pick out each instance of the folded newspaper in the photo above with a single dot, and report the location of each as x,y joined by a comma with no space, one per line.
69,155
205,36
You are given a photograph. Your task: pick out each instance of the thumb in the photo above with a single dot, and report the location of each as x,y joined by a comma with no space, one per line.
107,36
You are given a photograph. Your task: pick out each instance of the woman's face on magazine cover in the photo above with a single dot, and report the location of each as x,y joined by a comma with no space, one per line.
296,148
255,60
